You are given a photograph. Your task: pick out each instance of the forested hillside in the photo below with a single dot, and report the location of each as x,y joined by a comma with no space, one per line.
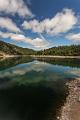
10,49
73,50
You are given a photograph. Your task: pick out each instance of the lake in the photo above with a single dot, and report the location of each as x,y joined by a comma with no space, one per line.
34,89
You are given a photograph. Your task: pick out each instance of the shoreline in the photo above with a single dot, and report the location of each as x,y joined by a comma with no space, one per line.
9,56
40,56
49,56
71,108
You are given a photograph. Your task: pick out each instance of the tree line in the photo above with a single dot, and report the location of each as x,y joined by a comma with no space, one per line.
73,50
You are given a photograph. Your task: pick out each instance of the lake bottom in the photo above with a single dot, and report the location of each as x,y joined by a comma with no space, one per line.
33,102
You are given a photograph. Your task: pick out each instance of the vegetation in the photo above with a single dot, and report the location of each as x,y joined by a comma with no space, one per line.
10,49
73,50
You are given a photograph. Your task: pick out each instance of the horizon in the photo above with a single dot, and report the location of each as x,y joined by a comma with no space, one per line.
32,24
41,49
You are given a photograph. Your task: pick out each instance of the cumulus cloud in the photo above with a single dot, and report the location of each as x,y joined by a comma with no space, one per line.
75,37
37,43
60,23
8,24
15,6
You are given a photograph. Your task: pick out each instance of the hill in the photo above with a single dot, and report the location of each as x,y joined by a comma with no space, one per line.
10,49
73,50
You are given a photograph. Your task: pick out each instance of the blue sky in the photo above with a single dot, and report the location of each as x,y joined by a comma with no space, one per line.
40,24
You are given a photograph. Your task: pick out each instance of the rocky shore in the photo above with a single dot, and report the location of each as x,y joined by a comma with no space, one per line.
71,108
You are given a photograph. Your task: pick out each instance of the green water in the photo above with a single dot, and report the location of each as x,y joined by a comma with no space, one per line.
34,89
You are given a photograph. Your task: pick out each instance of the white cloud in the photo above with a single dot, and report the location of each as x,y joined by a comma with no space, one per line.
15,6
37,43
8,24
60,23
75,37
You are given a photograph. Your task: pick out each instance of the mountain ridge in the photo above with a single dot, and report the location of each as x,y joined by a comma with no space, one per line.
11,49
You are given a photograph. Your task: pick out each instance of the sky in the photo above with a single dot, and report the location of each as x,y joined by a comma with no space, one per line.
40,24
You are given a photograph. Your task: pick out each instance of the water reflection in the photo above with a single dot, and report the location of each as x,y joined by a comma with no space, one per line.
32,89
37,71
10,62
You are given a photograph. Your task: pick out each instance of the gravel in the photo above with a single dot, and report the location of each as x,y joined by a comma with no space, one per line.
71,108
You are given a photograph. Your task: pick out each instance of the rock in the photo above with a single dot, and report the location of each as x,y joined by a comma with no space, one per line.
72,106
